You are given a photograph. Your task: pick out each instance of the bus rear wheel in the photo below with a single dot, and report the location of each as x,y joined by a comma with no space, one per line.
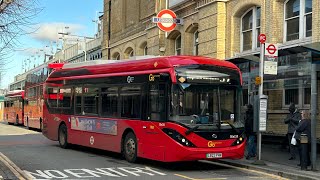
63,136
130,147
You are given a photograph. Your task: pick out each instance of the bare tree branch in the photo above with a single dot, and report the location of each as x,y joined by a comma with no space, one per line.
15,20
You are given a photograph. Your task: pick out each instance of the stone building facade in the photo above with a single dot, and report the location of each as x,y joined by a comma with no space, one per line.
227,30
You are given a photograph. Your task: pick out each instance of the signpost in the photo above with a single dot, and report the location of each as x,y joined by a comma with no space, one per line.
271,50
271,55
167,20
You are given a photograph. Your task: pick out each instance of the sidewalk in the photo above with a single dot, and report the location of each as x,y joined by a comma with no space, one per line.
277,162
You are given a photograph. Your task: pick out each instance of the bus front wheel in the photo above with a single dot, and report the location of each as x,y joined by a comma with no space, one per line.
130,147
63,136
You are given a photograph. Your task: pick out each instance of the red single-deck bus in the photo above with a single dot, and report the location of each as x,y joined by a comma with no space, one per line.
13,107
177,108
33,113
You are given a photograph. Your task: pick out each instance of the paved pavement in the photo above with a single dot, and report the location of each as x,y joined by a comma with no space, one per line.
277,162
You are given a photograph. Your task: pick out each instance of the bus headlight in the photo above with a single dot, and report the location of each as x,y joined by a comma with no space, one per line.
178,137
239,140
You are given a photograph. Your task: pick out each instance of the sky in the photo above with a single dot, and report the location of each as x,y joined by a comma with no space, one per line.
55,15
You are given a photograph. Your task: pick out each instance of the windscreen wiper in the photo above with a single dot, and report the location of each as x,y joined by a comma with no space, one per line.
232,126
191,130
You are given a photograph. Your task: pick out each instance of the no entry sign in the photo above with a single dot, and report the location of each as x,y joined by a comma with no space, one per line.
271,50
166,20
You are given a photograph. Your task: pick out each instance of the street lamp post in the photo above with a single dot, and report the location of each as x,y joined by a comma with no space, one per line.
85,42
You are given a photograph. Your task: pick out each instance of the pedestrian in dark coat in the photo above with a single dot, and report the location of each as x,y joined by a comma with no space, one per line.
304,127
251,147
292,120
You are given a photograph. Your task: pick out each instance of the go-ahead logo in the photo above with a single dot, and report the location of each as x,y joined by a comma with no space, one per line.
130,79
213,143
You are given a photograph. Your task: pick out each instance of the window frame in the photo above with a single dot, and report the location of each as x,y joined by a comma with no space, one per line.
302,22
175,45
145,50
301,94
196,43
254,44
131,53
120,100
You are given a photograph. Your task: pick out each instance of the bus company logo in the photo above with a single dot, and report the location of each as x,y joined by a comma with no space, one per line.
153,77
130,79
214,136
213,143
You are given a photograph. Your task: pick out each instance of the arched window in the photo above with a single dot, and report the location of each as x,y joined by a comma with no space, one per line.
178,45
196,43
250,29
116,56
145,50
298,19
131,53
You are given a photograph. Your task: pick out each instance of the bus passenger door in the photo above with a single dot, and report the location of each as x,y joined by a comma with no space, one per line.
154,146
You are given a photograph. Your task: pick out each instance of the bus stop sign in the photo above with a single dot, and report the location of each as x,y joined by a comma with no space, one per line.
166,20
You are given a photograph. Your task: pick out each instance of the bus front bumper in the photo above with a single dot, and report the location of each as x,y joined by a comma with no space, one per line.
192,154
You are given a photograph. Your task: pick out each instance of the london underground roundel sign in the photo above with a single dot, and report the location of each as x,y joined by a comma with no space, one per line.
167,20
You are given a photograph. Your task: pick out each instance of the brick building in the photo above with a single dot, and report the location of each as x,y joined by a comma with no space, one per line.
227,29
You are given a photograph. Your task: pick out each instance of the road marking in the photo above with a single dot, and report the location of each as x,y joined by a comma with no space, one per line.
14,168
244,169
117,172
190,178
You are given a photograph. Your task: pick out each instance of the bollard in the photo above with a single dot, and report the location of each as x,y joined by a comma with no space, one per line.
304,152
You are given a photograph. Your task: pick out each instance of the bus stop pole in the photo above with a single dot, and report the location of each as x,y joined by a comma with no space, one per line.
260,95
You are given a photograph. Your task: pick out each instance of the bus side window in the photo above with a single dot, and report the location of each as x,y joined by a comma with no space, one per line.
90,100
109,98
157,102
131,101
78,100
53,97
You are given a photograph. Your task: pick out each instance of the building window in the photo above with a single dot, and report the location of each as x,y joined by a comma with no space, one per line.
196,43
299,96
298,15
250,29
131,54
178,45
291,96
116,56
145,50
308,18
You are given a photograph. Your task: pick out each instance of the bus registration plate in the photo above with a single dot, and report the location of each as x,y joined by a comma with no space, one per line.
214,155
